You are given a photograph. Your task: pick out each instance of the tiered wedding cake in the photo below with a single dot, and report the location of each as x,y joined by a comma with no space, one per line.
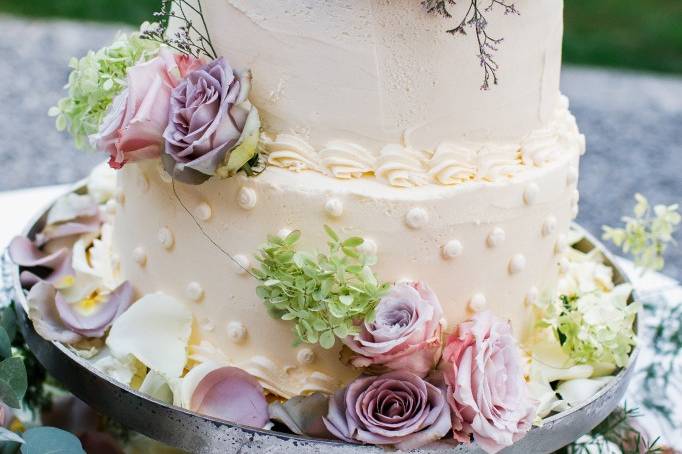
374,123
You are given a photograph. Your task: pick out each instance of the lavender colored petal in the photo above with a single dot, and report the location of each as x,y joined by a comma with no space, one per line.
336,421
80,226
96,324
24,252
185,175
43,313
303,415
230,394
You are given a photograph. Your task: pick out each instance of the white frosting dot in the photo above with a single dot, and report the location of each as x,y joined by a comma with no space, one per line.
283,233
140,256
549,226
416,218
165,176
242,263
368,247
236,331
530,195
517,263
166,238
203,211
533,295
194,291
452,249
334,207
496,237
478,302
571,176
561,244
247,198
305,356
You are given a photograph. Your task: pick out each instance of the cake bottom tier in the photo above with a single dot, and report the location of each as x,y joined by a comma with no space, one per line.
480,245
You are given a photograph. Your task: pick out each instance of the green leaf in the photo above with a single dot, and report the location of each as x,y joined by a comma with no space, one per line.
332,234
13,374
49,440
293,237
8,396
8,320
327,340
5,344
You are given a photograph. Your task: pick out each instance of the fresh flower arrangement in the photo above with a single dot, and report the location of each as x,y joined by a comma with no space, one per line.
149,96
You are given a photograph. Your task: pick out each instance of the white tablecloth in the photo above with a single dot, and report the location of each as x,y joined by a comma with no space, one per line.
19,207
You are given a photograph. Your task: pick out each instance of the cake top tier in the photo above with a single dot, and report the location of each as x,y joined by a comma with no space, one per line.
374,72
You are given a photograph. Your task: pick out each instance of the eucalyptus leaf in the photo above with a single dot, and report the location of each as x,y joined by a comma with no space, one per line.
5,344
8,396
49,440
8,320
13,373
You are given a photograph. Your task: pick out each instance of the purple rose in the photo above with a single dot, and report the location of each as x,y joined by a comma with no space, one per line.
398,408
210,117
405,334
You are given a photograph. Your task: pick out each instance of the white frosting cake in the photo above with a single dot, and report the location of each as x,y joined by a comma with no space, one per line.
373,123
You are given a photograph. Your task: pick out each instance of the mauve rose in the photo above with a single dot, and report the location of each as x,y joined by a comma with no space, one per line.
487,392
405,333
210,115
133,127
397,408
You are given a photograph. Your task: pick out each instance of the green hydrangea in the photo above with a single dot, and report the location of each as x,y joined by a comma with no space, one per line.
94,82
646,236
596,327
325,295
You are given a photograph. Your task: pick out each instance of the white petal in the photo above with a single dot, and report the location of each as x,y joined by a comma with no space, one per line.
69,207
102,183
120,369
155,385
156,330
579,390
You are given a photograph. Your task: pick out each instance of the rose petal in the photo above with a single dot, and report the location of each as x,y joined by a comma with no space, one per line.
43,313
155,330
226,393
95,324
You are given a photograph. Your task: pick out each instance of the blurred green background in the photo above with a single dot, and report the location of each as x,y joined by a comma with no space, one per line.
638,34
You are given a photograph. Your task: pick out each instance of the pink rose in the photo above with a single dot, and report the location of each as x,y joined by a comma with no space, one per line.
405,334
133,127
487,392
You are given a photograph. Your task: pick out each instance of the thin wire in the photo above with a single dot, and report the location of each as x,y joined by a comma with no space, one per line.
206,235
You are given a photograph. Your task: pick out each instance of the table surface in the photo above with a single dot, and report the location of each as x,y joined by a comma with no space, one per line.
22,206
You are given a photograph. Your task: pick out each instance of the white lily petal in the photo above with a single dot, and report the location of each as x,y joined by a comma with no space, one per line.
579,390
102,183
69,207
156,385
120,369
156,330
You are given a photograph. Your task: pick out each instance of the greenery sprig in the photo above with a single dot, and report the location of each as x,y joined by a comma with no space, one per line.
325,295
647,235
475,18
191,37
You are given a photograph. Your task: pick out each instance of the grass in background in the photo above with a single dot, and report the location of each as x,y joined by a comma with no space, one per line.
638,34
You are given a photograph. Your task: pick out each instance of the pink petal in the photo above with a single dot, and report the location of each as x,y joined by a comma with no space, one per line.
43,313
230,394
80,226
96,324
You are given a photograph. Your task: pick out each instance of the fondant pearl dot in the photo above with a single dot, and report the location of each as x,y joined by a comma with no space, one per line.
496,237
166,238
334,208
242,264
549,226
247,198
305,356
533,295
478,303
416,218
194,291
561,244
368,247
283,233
517,264
236,332
571,176
140,256
530,195
452,249
203,211
165,176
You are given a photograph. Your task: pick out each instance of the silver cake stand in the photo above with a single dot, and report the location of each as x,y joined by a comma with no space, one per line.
200,434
